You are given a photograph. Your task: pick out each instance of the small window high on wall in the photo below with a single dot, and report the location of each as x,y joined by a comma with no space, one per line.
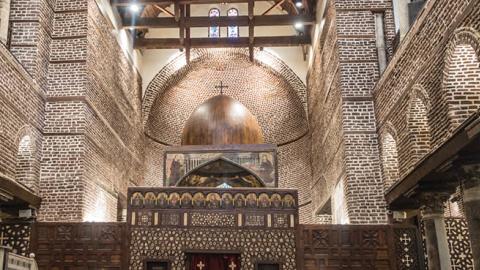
232,30
4,19
214,31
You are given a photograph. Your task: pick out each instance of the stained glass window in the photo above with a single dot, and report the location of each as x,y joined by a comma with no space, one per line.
214,31
232,30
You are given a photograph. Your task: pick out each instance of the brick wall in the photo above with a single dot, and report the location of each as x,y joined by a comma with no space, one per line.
341,108
20,126
432,83
31,28
93,136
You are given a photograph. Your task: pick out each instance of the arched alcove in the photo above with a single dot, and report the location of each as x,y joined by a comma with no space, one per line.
462,76
418,126
24,171
389,159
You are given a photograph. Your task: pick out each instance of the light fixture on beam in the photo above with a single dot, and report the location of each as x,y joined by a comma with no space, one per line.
298,25
134,8
299,3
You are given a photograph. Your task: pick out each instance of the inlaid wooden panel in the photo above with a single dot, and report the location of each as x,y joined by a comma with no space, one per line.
80,246
385,247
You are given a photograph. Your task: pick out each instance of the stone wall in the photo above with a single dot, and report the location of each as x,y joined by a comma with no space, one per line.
93,138
341,111
430,86
268,88
21,126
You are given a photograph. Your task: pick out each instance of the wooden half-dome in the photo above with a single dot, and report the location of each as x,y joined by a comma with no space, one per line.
222,120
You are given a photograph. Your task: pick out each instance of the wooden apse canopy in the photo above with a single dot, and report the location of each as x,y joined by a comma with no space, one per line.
221,120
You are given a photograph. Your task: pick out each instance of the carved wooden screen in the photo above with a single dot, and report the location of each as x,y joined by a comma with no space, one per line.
331,247
80,246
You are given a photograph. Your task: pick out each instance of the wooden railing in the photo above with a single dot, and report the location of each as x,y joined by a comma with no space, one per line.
12,261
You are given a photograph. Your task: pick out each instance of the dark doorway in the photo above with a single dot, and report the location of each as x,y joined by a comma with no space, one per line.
268,266
157,266
213,262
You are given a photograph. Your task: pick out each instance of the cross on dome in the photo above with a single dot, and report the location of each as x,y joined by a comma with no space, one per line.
221,86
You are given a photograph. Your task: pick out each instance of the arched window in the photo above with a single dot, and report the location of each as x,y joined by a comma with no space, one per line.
214,31
232,30
389,160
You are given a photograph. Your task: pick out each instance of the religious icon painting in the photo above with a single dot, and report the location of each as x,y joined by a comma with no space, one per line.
227,200
276,200
186,200
174,200
198,199
289,201
239,200
150,199
137,199
162,200
251,200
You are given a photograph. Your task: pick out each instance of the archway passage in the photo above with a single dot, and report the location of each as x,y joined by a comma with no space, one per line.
221,173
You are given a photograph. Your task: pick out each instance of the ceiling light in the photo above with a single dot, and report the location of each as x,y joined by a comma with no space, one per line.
298,25
299,4
134,8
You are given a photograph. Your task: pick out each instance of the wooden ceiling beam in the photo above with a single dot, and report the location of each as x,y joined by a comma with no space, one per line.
164,10
271,20
165,2
277,4
241,42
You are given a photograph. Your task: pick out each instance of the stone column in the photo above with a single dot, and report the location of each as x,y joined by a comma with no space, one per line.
432,212
471,204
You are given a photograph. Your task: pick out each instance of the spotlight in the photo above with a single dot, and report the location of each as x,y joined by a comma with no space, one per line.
299,4
298,25
134,8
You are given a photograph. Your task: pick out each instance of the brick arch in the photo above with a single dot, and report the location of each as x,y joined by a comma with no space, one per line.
268,94
172,72
418,126
389,153
461,78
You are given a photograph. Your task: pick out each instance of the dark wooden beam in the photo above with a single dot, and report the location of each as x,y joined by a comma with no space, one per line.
19,192
165,2
270,20
273,7
251,29
187,35
174,43
164,10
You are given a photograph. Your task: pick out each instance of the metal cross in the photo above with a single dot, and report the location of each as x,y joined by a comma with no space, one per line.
407,260
200,265
405,239
221,86
232,265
